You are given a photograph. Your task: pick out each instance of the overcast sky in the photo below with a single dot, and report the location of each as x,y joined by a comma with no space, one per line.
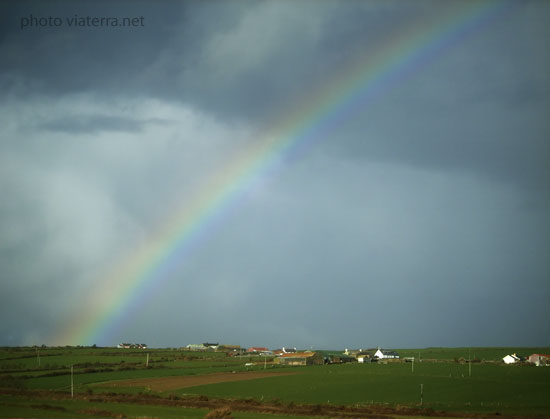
422,219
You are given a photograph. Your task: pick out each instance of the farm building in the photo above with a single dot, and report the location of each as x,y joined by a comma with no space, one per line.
131,346
539,359
300,358
285,351
257,350
364,355
124,345
195,347
338,358
364,358
202,347
511,359
384,354
211,346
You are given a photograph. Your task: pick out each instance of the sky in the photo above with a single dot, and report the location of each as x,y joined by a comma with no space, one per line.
420,217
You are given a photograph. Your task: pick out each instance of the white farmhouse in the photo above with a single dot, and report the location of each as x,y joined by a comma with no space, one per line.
383,354
511,359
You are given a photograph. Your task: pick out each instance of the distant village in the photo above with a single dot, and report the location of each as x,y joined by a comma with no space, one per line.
132,346
293,356
535,359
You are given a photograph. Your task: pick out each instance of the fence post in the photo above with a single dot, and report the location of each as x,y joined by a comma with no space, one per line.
72,383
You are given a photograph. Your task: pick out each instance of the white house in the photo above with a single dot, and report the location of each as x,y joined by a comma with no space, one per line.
124,345
384,354
511,359
539,359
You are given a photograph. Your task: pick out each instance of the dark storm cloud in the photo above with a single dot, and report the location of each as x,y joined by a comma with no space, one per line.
247,60
241,59
477,107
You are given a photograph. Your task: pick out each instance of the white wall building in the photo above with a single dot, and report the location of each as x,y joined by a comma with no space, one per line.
510,359
383,354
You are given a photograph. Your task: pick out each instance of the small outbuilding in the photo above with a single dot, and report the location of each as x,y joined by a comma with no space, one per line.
336,358
511,359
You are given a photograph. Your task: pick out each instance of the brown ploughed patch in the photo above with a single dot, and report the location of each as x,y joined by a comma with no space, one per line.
177,382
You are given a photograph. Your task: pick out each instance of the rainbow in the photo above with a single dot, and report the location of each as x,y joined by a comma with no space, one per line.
356,86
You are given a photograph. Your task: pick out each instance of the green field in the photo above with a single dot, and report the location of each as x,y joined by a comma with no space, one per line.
37,381
22,407
445,386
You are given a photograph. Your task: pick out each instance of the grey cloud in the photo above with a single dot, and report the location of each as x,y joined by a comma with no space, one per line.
384,239
97,123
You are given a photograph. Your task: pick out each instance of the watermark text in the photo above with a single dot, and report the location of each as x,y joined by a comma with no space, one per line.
76,21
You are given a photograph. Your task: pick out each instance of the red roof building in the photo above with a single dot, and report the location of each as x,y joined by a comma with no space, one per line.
539,359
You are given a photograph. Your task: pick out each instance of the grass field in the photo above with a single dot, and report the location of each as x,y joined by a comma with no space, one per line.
22,407
445,386
37,382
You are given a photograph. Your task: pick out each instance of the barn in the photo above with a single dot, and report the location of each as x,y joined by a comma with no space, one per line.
300,358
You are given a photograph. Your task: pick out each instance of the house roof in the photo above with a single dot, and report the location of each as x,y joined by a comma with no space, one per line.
298,355
257,349
385,352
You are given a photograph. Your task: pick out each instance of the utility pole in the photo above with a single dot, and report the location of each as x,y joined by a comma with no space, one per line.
72,383
412,366
147,362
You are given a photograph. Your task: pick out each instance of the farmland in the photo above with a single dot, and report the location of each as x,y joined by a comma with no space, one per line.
175,383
